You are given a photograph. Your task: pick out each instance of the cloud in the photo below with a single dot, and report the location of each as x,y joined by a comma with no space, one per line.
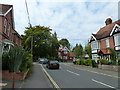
73,20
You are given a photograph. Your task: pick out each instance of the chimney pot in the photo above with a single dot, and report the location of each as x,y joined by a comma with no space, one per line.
108,21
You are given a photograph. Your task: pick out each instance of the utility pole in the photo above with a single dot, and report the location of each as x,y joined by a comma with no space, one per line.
30,26
28,14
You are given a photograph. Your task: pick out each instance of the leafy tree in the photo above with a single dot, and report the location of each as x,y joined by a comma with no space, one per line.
65,42
54,45
88,50
40,41
78,50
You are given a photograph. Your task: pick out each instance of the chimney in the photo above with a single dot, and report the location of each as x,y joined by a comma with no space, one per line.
108,21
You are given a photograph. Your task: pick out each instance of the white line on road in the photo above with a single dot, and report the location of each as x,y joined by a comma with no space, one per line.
102,83
73,73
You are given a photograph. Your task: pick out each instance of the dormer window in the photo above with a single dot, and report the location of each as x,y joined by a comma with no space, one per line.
107,43
5,25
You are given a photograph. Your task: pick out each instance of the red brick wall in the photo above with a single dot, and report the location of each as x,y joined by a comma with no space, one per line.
111,41
102,44
8,76
10,21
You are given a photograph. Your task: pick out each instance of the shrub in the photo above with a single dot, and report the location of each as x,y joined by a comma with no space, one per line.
90,62
78,62
26,63
5,59
103,61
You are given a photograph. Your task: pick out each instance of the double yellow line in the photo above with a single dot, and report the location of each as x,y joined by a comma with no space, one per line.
50,78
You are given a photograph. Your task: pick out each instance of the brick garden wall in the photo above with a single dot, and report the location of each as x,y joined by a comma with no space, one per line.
8,75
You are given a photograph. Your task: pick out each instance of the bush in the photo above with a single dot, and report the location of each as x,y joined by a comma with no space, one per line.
26,63
90,62
79,62
5,59
16,59
103,61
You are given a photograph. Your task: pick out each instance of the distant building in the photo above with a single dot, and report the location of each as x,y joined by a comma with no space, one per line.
106,37
8,35
65,53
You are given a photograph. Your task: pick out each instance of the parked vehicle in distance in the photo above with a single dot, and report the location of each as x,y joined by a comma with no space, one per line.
53,65
43,60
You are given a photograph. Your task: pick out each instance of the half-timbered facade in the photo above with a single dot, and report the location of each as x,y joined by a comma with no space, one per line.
106,37
65,54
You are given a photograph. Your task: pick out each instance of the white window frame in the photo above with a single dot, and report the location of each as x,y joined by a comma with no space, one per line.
8,29
95,45
5,26
107,43
117,39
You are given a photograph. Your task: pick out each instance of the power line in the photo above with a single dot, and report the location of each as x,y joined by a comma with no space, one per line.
28,13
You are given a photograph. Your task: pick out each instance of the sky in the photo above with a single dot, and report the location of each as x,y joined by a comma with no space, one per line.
74,20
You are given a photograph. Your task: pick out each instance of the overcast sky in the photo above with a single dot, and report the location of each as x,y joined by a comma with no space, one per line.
71,19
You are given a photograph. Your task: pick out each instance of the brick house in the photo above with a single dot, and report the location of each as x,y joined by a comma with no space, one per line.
107,37
8,35
65,53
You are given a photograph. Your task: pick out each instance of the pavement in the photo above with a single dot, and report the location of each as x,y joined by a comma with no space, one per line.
37,79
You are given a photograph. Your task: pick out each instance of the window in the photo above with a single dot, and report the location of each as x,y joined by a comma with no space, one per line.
8,29
5,25
117,39
107,43
95,45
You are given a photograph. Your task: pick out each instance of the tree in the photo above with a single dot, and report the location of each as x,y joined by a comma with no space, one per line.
65,42
88,50
54,45
78,50
40,41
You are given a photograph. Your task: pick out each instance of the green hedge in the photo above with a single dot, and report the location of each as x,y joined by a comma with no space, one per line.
104,61
88,62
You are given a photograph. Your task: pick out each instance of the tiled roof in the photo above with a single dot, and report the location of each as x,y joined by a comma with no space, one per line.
70,54
105,31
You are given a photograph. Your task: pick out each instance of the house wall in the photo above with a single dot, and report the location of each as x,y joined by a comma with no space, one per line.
15,38
102,44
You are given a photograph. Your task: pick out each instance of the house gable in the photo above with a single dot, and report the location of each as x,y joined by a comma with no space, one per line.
92,38
115,30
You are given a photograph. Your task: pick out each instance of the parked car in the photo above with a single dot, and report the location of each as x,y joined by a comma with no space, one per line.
53,65
43,60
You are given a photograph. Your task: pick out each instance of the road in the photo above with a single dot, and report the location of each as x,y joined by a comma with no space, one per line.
69,77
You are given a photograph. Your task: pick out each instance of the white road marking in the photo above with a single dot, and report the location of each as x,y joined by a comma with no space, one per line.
102,83
73,73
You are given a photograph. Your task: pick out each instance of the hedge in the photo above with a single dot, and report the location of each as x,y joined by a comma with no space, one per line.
87,62
103,61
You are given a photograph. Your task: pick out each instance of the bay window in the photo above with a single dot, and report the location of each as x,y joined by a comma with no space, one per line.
117,39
